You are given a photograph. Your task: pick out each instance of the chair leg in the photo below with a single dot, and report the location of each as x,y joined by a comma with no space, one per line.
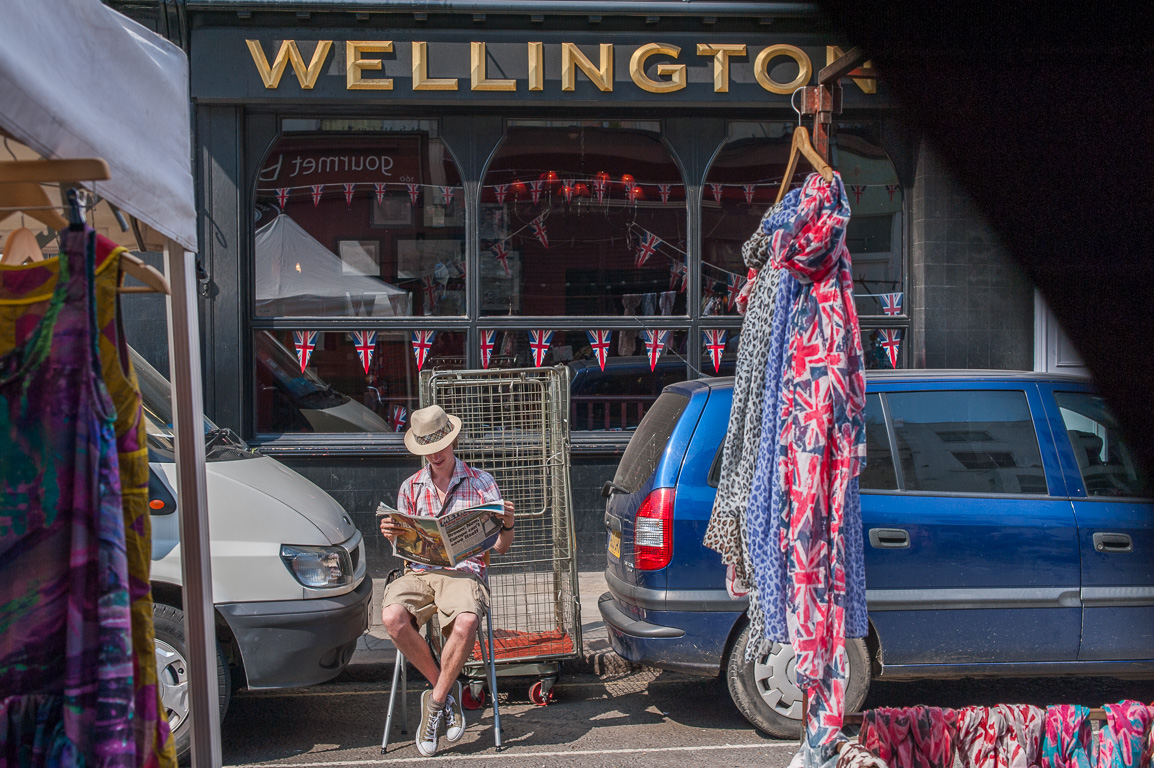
399,676
491,665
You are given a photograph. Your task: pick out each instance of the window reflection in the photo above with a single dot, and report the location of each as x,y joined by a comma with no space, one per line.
333,391
583,219
359,226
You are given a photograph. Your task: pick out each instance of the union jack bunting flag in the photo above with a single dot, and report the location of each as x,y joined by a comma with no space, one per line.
502,253
535,188
399,417
891,341
664,189
891,303
414,191
537,227
502,191
715,344
858,190
366,344
422,343
599,188
654,345
282,194
317,190
678,273
734,283
749,190
429,285
716,190
350,189
631,192
539,342
646,248
567,190
488,340
305,342
891,188
447,195
379,188
599,340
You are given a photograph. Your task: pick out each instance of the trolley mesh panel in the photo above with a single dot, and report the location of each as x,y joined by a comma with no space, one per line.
514,425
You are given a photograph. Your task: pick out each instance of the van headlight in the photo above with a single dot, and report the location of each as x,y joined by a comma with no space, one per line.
317,567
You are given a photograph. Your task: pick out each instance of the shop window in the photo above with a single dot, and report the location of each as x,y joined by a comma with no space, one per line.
583,219
332,391
359,218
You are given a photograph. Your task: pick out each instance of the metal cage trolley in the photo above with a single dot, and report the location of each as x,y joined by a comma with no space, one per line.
515,426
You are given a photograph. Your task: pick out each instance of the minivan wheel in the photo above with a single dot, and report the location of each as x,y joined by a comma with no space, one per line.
766,692
172,675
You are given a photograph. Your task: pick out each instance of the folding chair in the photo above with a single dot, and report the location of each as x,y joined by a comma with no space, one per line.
433,638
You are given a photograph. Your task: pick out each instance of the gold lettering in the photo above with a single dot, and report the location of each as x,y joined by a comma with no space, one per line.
536,66
720,54
867,85
289,53
601,76
421,79
354,65
675,72
480,81
761,68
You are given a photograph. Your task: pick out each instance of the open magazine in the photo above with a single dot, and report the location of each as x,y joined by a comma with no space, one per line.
446,540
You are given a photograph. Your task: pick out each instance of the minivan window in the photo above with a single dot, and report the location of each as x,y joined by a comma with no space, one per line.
1106,463
967,442
648,442
878,474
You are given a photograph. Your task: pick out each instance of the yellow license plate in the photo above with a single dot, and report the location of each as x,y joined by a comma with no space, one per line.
615,544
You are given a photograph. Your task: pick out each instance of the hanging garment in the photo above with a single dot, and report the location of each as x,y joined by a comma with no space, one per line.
853,755
1068,737
626,339
25,294
822,441
66,675
1005,736
649,304
665,300
1125,742
726,532
910,737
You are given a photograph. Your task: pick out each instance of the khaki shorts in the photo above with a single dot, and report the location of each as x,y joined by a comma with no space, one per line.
444,592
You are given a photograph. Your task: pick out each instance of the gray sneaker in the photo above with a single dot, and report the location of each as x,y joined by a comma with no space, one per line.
430,724
454,716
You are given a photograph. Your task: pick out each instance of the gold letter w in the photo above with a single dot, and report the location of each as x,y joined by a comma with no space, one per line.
289,52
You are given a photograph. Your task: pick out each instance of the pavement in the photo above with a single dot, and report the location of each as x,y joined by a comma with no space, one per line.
375,651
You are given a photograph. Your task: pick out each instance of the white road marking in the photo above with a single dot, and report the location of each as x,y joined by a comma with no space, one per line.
511,755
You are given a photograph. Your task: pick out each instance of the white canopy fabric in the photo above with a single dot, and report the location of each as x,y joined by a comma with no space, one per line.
116,91
299,276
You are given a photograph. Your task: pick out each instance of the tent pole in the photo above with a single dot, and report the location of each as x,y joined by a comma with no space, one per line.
196,567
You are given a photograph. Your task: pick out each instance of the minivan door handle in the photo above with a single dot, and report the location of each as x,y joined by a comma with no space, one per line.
1112,542
889,538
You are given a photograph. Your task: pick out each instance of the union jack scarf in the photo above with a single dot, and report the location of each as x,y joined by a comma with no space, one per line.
822,444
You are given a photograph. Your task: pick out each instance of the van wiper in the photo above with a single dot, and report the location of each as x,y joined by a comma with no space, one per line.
611,488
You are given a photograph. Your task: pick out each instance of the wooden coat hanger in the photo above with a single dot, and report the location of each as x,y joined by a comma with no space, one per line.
21,247
20,190
803,146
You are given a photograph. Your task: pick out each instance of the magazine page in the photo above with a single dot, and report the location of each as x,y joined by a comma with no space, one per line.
421,540
473,530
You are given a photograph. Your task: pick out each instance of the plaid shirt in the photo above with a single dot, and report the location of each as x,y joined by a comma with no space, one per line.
467,486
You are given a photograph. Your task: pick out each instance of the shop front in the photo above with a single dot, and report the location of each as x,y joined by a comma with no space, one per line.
386,193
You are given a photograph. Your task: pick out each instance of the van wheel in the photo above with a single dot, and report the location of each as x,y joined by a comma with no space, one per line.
766,691
172,675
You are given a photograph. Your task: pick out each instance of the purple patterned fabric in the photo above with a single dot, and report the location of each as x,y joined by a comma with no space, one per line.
66,675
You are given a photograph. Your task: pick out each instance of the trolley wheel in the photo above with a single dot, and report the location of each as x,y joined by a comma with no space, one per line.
539,695
470,700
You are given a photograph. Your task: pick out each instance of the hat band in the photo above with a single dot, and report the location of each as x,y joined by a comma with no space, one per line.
433,437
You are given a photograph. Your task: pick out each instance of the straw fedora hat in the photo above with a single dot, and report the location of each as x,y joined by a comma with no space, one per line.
430,430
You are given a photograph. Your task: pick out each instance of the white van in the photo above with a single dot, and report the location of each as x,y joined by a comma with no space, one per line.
288,567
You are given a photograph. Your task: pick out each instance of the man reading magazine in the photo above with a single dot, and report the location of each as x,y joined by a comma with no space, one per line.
458,595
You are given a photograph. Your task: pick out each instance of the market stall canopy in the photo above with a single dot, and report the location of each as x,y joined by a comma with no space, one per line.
297,275
124,99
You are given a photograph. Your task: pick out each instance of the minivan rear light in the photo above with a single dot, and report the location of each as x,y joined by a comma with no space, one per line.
653,531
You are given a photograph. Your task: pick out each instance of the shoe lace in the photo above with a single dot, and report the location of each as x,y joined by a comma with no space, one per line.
450,712
431,728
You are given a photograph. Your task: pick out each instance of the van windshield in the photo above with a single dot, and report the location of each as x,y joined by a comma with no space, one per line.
156,394
648,442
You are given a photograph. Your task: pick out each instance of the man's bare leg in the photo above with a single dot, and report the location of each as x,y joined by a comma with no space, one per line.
402,629
462,635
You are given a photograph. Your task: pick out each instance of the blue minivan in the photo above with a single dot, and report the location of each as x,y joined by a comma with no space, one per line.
1006,533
